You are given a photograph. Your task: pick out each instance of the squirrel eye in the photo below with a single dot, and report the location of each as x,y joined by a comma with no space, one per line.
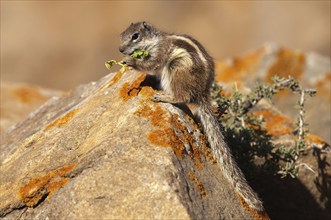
135,36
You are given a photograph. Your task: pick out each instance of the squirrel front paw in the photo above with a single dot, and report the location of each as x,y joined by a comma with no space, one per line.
162,97
129,61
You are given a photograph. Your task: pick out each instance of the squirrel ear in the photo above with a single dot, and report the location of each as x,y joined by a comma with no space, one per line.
149,28
146,25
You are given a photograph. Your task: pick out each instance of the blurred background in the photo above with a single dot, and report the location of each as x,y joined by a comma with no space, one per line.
61,44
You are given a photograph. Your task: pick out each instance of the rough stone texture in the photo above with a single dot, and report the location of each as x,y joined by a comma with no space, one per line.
18,100
310,69
105,151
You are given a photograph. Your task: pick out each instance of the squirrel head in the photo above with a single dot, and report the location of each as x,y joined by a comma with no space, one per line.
138,36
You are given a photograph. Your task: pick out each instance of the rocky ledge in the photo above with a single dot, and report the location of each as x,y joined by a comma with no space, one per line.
105,150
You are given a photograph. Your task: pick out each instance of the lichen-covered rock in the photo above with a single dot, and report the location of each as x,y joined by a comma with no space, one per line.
310,69
308,196
105,151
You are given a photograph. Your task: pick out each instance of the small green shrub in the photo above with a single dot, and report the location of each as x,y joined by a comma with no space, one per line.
251,145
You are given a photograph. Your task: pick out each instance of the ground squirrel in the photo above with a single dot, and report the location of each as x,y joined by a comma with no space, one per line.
186,73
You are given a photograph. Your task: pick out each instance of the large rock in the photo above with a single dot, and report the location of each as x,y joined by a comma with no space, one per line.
105,151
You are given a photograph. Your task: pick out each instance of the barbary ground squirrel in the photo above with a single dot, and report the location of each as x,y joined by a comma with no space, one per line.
186,73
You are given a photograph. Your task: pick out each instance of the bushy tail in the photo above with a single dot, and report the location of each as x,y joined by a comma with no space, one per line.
223,155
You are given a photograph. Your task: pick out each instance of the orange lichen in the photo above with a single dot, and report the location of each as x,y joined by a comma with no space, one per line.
287,63
257,215
116,78
315,139
42,187
210,155
198,184
113,80
28,94
157,115
164,136
63,120
129,90
161,137
146,91
167,138
239,68
169,132
276,124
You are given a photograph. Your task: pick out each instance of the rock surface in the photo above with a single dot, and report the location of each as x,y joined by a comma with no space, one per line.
18,100
105,151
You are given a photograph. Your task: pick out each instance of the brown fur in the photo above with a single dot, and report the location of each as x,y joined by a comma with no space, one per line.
186,73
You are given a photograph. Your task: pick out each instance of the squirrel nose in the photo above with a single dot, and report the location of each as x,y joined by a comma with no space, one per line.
121,49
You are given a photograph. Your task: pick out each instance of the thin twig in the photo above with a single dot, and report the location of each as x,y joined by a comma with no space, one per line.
305,165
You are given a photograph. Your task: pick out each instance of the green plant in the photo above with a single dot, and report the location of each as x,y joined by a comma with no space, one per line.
246,134
138,54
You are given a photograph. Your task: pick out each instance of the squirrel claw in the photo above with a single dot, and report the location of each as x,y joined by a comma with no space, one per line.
156,98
